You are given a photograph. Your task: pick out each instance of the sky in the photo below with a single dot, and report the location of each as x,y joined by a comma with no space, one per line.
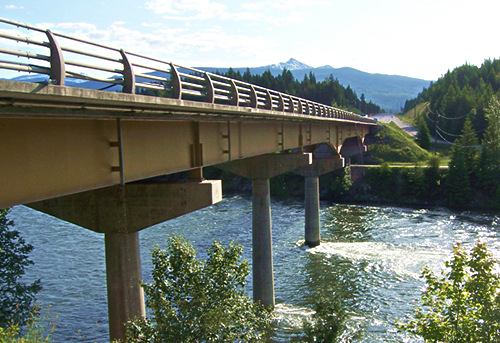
420,39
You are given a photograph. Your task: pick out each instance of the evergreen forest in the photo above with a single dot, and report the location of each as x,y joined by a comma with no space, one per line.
329,92
463,108
458,94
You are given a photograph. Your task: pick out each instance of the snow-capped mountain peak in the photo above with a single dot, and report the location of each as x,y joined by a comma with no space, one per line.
292,64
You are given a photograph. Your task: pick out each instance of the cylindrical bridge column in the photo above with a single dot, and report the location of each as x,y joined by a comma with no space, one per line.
312,235
123,275
262,251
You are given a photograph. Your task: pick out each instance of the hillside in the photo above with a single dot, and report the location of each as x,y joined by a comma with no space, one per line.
463,92
393,145
388,91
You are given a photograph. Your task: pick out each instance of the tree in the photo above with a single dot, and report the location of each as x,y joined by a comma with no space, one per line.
17,299
489,166
463,305
199,301
329,322
462,167
423,135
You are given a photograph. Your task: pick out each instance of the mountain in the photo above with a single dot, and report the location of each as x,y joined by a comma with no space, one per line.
388,91
292,64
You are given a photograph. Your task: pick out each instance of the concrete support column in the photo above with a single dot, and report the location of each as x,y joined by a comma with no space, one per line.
123,276
311,173
312,234
262,251
260,169
120,212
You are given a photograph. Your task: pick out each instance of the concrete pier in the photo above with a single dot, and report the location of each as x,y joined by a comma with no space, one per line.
120,212
311,173
262,251
312,225
260,169
123,278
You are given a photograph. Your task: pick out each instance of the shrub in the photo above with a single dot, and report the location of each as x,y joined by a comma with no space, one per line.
199,301
463,305
16,298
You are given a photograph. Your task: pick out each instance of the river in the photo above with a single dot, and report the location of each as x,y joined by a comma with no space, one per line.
370,257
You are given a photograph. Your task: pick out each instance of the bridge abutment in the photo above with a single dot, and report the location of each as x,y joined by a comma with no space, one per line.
260,169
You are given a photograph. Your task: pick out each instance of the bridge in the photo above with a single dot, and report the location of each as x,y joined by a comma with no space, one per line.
93,156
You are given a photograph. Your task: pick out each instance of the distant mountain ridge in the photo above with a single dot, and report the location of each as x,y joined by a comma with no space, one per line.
388,91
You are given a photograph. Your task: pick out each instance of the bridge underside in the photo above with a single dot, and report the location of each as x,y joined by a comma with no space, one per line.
68,141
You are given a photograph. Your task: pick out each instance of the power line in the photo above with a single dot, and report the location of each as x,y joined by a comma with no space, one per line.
454,135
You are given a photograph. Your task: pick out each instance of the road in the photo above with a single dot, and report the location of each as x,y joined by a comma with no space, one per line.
388,117
411,130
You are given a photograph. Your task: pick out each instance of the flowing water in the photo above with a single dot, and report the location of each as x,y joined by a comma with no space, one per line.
370,258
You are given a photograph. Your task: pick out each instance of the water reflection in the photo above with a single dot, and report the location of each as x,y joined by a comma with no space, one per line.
344,223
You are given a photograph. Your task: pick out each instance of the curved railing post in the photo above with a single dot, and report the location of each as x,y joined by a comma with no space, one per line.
308,108
281,102
291,105
300,109
128,75
235,95
57,69
253,97
269,100
176,82
210,96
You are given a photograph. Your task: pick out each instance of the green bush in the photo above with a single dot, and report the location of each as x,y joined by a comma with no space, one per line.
463,304
38,330
16,297
329,322
199,301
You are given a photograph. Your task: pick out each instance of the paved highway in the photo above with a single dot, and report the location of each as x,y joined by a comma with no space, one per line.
388,117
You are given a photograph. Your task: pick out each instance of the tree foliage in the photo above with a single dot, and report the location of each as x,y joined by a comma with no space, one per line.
463,304
464,91
423,135
329,322
328,92
199,301
38,330
489,166
16,298
461,169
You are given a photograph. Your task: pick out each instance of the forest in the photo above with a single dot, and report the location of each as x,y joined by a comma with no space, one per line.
329,92
464,108
458,94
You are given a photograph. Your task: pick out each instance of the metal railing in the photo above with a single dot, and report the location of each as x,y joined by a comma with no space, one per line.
113,67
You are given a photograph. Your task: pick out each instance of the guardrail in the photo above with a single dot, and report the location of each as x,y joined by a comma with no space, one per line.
133,72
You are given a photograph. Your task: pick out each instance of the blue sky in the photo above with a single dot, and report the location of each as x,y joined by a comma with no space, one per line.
421,38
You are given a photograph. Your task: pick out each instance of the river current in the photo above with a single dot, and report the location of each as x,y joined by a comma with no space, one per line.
370,258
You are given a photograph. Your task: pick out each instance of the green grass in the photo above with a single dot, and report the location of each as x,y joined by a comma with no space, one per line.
410,117
395,146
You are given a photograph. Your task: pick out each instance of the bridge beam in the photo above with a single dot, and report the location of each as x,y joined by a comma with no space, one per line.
260,169
120,212
311,174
